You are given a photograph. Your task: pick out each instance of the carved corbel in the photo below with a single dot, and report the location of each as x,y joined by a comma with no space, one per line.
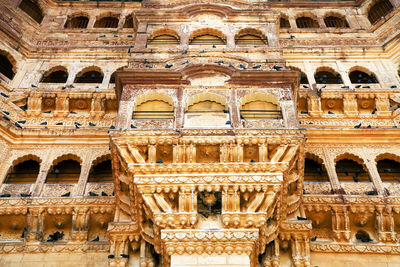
97,108
385,224
35,224
341,223
80,222
314,106
34,104
382,105
350,106
62,105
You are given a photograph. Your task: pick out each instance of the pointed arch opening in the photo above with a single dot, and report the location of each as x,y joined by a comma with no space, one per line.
90,75
32,9
77,22
107,22
350,168
207,36
7,65
55,75
379,10
362,75
260,106
101,171
250,37
65,170
25,170
325,75
153,106
306,23
164,37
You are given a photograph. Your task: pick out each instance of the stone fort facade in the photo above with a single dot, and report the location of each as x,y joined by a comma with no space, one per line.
200,133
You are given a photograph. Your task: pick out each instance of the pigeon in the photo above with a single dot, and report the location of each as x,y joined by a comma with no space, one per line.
96,239
72,112
33,86
71,86
55,236
112,127
394,126
319,171
133,126
371,193
6,112
214,46
64,87
6,118
201,52
47,112
124,255
252,161
44,123
231,66
24,107
77,123
92,124
393,86
345,171
111,256
92,194
184,52
345,87
257,67
373,111
168,66
301,218
25,195
242,66
305,86
357,86
5,195
219,62
17,125
357,126
330,112
313,238
76,126
292,36
366,86
323,87
387,170
24,231
227,122
303,112
4,95
355,179
369,126
66,194
59,123
129,35
149,67
104,194
185,62
277,68
160,161
115,35
101,36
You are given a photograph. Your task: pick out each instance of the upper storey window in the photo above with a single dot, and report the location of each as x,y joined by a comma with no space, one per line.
362,77
327,77
306,23
32,9
207,37
6,67
57,75
80,22
379,10
284,22
335,22
89,76
164,39
128,22
250,37
107,22
153,106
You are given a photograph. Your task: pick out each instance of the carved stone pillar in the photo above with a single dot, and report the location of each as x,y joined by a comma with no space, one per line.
385,224
34,104
373,174
331,170
97,108
350,106
141,37
83,177
80,222
41,179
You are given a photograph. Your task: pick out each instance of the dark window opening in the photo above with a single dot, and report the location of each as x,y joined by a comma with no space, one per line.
379,10
326,77
32,9
80,22
284,23
207,39
90,77
66,171
314,172
362,77
389,170
128,22
306,22
6,67
58,76
303,78
107,22
350,171
164,39
101,173
23,173
335,22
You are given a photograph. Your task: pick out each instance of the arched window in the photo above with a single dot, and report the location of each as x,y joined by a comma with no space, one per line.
6,67
164,39
284,23
349,170
153,106
314,171
79,22
306,22
101,173
335,22
66,171
251,37
32,9
55,76
327,77
25,172
303,76
379,10
362,77
206,106
106,22
207,36
389,170
259,106
128,22
91,76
